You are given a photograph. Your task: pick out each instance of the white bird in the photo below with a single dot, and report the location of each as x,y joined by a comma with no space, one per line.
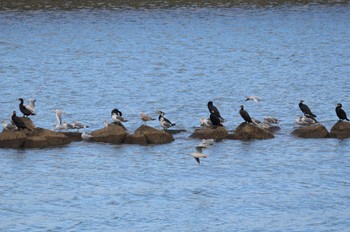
67,126
60,127
78,125
164,122
198,154
144,117
206,122
118,118
86,136
256,121
253,98
106,124
205,143
270,120
8,126
59,114
304,120
31,105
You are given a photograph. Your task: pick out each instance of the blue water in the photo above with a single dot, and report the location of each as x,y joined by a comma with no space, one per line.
89,61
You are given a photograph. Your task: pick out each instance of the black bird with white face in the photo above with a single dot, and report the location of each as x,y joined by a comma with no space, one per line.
213,110
305,109
18,122
341,113
244,114
24,109
164,122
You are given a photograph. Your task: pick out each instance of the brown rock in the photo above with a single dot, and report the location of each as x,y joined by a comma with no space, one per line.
74,136
12,139
311,131
114,134
250,131
217,133
152,135
340,130
136,139
28,122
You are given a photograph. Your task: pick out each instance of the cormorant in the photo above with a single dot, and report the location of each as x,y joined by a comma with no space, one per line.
214,110
341,113
305,109
165,123
18,122
24,109
244,114
215,120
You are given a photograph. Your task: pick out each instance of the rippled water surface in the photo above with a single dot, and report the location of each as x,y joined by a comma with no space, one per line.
90,61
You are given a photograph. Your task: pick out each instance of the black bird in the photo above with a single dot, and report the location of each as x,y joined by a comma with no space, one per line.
18,122
215,120
244,114
213,110
341,113
305,109
117,112
164,122
23,109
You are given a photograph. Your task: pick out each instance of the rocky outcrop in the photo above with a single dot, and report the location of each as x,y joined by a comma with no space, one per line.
312,131
74,136
217,133
340,130
37,138
148,135
114,134
28,122
246,131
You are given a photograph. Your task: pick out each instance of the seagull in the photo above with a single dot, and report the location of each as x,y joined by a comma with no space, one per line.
206,122
145,117
244,114
86,136
305,109
18,122
23,109
59,114
213,110
253,98
270,120
305,120
78,125
67,126
8,126
341,113
164,122
106,124
198,154
31,105
205,143
118,118
256,121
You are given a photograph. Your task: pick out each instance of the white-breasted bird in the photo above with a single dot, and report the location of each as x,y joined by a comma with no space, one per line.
145,118
164,122
198,154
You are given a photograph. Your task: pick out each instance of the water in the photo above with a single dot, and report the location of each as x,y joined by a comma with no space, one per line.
89,61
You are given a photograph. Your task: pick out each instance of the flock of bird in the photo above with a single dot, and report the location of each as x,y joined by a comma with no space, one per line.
214,120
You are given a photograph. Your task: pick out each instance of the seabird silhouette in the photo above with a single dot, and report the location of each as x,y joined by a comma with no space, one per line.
341,113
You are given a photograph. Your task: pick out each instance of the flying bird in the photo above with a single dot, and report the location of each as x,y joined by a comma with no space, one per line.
253,98
198,154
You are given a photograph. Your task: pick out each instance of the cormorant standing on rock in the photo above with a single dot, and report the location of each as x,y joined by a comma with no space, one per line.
341,113
24,109
213,110
215,120
18,122
244,114
164,122
305,109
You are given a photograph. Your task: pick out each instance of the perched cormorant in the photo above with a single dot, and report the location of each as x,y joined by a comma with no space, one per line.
165,123
341,113
24,109
18,122
244,114
213,110
305,109
215,120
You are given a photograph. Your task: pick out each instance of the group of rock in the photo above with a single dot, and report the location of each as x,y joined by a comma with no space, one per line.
22,133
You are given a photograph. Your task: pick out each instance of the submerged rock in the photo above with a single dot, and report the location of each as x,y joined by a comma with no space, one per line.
37,138
340,130
250,131
312,131
217,133
113,134
74,136
148,135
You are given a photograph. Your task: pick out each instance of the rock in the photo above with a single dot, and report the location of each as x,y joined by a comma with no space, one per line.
74,136
37,138
148,135
28,122
114,134
340,130
311,131
250,131
217,133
